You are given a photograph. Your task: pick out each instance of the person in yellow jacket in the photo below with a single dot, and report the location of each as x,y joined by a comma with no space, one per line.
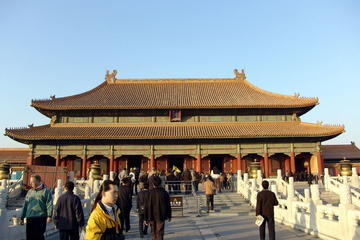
104,221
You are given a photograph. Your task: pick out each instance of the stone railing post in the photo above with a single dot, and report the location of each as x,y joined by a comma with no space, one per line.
326,178
3,194
274,189
345,194
58,190
258,177
72,176
307,195
246,177
315,193
238,182
354,178
105,177
96,187
314,202
344,207
87,200
4,223
253,192
279,181
245,187
76,190
291,189
87,192
112,175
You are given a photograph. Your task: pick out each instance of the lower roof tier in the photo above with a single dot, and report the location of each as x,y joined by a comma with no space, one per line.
247,130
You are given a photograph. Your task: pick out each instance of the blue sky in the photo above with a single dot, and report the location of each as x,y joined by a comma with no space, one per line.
64,47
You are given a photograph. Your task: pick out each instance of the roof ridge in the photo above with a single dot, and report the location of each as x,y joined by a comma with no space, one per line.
172,80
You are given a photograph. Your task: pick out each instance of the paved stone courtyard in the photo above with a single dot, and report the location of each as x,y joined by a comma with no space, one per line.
233,219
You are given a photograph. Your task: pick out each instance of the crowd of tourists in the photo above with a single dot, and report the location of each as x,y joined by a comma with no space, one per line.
110,212
304,176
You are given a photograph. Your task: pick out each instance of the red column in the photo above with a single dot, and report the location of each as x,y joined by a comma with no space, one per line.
287,165
30,160
58,159
243,166
83,166
152,162
198,162
292,162
320,163
266,164
238,161
88,164
111,162
63,163
270,167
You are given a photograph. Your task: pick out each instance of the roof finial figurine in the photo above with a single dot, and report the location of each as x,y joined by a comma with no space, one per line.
239,75
110,77
52,97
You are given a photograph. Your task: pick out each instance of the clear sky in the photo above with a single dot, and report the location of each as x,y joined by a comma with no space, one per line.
64,47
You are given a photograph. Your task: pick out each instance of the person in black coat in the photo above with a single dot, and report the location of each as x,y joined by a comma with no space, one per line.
158,209
68,214
142,200
125,203
265,202
186,177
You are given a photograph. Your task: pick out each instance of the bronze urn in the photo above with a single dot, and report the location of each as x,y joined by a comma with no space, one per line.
96,171
4,171
345,167
254,166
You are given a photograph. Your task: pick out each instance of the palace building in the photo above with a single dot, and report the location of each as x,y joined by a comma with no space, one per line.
187,123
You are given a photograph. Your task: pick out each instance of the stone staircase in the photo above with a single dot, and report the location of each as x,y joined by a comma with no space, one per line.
227,203
327,197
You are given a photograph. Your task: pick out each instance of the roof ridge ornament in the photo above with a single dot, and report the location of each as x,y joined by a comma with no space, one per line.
320,123
240,75
110,77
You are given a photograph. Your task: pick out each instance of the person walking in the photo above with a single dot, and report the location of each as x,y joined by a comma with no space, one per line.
104,220
215,174
68,214
38,209
157,210
186,178
209,193
142,200
125,203
265,202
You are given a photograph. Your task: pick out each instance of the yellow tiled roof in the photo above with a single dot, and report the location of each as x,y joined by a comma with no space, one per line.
175,93
176,131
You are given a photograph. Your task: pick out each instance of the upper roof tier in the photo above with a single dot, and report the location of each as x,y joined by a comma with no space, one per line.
175,94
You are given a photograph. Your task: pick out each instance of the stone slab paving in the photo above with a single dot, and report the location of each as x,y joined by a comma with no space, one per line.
214,226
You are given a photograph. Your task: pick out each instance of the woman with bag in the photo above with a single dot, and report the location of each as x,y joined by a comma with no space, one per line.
104,221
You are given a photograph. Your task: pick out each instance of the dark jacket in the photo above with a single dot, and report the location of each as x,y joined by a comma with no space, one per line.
142,200
265,202
68,214
151,182
158,208
125,199
186,176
